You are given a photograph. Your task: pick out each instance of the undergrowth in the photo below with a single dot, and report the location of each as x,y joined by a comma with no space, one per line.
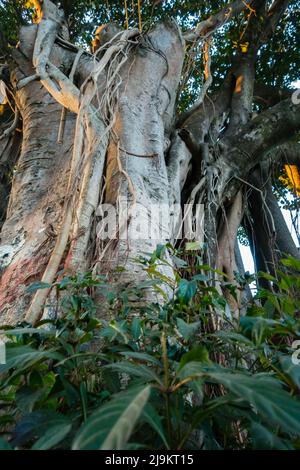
156,375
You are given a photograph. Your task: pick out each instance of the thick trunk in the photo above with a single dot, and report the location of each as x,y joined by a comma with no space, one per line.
38,190
136,170
51,204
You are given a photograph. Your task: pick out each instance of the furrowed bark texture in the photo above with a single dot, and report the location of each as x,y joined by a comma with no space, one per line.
38,189
136,171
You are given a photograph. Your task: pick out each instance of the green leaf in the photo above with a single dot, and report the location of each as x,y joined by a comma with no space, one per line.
291,263
266,276
110,427
192,246
261,391
263,439
197,386
160,251
200,277
5,445
142,357
136,370
71,393
38,285
36,424
290,369
179,263
53,436
114,329
151,417
21,357
25,331
26,398
136,329
84,398
232,337
153,271
5,419
198,354
258,327
186,290
187,330
266,395
192,369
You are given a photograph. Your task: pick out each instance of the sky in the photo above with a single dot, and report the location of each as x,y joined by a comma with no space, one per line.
246,252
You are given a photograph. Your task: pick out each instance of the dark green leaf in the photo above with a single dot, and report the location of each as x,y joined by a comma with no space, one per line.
186,290
110,427
5,445
187,330
264,439
53,436
198,354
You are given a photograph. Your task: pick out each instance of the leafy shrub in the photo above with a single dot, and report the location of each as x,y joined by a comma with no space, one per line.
156,375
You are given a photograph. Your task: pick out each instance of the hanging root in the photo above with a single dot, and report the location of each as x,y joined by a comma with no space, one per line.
11,129
139,15
126,14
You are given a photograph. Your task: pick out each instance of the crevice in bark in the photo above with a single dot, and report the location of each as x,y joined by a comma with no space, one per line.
9,154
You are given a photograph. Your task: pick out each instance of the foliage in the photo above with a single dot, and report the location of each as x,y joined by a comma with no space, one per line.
84,17
125,372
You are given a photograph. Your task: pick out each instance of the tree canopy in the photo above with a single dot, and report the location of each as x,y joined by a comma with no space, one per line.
84,17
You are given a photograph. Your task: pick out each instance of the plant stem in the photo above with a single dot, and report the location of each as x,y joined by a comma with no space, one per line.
166,382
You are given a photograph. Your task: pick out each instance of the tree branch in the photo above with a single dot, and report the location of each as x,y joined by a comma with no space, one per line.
207,27
198,119
275,12
270,95
271,128
288,153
